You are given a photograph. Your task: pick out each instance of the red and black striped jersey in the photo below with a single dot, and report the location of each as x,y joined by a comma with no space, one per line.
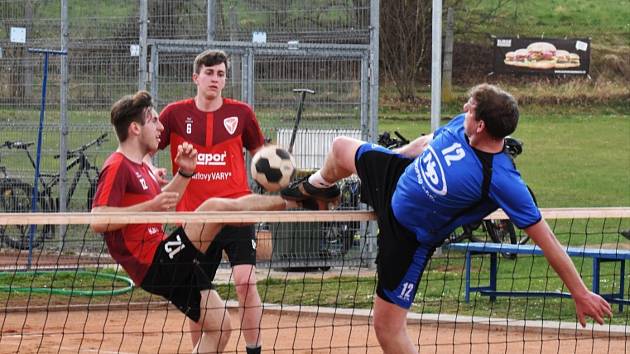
219,138
124,183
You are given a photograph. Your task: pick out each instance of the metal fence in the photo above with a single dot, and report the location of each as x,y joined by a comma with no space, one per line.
110,48
265,76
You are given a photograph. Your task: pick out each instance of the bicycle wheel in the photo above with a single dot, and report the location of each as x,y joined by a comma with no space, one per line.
503,231
15,197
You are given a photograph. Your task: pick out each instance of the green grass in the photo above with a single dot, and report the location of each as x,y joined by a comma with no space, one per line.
577,160
605,21
568,160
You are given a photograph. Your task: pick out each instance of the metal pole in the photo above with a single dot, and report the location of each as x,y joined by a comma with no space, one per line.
210,18
63,123
436,65
38,157
365,96
298,117
374,73
373,110
248,77
142,42
155,74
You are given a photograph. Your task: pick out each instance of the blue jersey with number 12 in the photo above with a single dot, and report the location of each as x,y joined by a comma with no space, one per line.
435,192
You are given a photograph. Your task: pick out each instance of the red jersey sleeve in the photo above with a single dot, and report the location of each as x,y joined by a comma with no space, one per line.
166,133
111,184
253,137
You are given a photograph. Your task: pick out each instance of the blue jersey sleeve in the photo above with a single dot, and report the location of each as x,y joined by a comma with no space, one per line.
510,193
454,123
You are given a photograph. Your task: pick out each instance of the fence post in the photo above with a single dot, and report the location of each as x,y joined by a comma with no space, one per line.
142,42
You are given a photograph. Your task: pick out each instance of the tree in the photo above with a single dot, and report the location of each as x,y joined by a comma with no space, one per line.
404,42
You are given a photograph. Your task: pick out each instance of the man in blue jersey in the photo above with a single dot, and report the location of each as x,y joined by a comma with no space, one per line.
426,189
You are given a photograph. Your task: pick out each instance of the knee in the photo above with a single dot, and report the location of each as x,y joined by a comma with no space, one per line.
245,283
222,327
387,328
339,145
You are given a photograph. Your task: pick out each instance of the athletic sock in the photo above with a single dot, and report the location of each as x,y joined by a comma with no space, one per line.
256,350
317,181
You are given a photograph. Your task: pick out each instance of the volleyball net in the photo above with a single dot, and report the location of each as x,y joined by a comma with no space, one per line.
316,279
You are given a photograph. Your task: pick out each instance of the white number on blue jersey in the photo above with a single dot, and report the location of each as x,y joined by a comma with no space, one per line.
453,153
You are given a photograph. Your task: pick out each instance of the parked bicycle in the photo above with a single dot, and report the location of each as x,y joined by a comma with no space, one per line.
339,237
15,194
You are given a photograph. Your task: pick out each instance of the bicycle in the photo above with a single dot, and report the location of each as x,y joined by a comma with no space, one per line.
15,194
339,237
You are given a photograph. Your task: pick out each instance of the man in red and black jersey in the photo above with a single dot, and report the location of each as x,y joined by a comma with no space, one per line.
220,128
166,265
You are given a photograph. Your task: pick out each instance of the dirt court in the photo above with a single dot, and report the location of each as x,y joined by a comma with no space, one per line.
163,330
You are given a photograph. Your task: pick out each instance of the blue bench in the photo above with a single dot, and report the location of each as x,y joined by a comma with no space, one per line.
599,255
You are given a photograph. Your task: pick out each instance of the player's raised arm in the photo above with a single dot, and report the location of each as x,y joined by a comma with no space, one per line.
587,303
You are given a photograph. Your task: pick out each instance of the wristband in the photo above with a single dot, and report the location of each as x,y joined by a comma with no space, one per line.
179,172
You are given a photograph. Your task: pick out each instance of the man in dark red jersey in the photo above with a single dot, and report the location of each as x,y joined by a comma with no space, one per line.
219,128
166,265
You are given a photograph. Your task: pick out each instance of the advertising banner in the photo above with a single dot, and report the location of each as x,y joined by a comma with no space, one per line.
542,56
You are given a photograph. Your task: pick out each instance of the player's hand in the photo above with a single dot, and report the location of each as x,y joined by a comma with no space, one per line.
165,201
592,305
160,175
186,157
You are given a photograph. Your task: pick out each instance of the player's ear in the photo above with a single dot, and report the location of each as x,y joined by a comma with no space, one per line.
194,77
481,125
134,128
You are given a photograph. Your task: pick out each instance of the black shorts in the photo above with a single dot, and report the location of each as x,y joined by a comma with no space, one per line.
400,259
176,274
239,244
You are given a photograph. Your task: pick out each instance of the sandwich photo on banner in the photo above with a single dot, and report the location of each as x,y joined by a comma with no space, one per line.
552,56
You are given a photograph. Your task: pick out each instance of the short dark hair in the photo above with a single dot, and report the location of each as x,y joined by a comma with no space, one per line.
210,58
497,108
129,109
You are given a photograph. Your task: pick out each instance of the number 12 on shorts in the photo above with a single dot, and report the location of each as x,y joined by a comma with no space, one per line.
407,290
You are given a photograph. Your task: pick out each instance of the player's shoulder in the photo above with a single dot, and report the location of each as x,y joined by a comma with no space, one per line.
114,165
181,104
451,132
118,162
236,103
115,159
504,170
457,121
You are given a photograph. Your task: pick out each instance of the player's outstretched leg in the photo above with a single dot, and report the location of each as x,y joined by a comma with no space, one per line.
320,186
301,189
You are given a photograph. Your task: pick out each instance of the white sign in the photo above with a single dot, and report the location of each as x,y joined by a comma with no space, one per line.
18,35
579,45
134,50
259,37
504,43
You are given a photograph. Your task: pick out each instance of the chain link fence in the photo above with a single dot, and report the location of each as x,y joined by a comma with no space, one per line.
106,44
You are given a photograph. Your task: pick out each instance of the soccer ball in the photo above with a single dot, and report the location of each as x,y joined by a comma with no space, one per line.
273,168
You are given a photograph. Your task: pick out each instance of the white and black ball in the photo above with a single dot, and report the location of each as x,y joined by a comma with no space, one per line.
273,168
